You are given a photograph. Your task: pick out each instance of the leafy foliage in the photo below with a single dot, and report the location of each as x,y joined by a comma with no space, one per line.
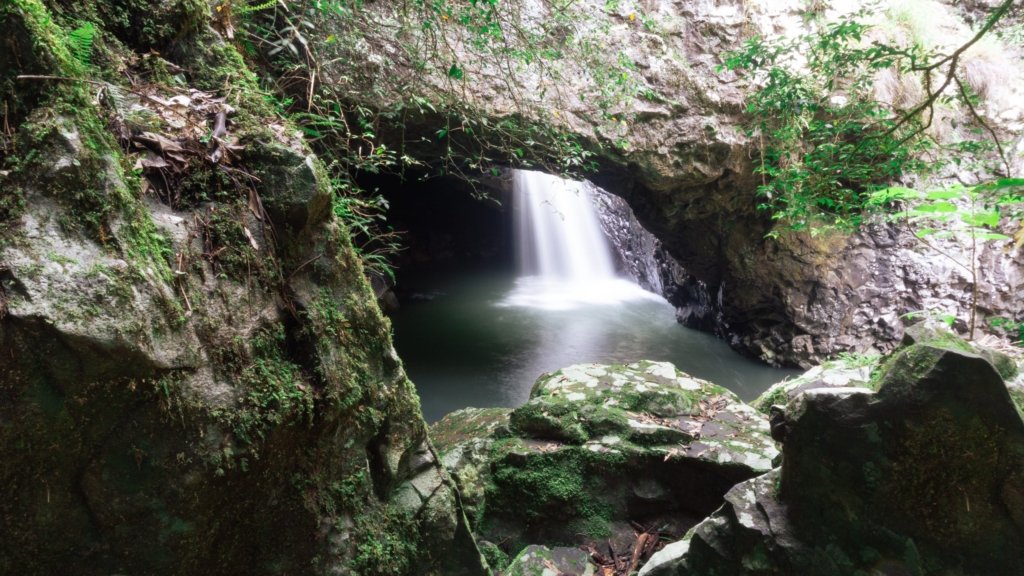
365,215
970,214
1013,328
80,42
257,7
830,147
825,140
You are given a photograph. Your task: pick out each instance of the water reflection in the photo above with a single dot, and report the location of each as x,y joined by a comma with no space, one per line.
467,346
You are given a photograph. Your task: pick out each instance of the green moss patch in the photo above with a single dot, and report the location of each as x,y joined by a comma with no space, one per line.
467,424
548,492
387,544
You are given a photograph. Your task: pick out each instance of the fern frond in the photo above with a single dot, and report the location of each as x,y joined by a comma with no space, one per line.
117,99
256,7
80,40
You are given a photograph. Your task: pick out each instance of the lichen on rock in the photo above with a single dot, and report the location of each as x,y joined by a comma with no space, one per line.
597,446
867,370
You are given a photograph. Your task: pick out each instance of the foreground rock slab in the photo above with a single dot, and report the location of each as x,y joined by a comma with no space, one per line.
924,476
599,446
543,561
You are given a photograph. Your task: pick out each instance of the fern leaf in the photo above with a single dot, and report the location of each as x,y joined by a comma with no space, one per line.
257,7
80,40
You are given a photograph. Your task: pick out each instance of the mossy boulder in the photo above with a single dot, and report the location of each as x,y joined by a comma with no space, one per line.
543,561
867,370
939,334
598,446
301,200
465,438
841,373
923,476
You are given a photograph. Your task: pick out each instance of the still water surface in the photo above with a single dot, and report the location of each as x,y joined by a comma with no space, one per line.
482,339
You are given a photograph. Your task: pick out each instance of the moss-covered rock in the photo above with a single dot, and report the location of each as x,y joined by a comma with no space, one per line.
867,370
597,446
202,386
924,476
543,561
844,372
939,334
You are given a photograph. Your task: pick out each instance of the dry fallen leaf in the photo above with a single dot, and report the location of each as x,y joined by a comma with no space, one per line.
252,241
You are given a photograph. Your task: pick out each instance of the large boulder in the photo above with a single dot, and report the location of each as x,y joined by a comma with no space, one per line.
537,560
865,370
841,373
924,476
598,447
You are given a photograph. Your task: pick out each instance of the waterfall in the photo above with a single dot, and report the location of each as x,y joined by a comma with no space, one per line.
558,235
564,260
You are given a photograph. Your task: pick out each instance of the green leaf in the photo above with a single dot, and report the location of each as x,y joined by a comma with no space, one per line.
456,72
886,195
990,219
1002,183
81,40
991,236
944,194
935,207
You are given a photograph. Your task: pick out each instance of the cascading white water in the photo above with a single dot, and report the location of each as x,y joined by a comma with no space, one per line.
564,258
558,236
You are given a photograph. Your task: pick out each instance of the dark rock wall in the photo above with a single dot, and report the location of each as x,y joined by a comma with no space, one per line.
643,258
635,249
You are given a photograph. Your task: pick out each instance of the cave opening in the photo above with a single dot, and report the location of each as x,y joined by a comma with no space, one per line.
475,329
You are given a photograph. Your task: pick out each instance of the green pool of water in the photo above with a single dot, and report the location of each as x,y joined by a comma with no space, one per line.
482,340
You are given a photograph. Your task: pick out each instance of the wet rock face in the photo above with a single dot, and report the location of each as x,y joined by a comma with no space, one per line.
636,250
923,476
645,259
598,446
